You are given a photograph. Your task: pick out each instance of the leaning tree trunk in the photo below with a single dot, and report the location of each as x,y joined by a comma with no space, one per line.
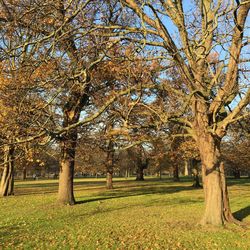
7,180
66,174
217,209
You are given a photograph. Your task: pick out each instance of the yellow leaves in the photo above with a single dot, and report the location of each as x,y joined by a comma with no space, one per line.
30,155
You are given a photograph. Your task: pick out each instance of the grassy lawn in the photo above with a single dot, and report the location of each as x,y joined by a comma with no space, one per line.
155,214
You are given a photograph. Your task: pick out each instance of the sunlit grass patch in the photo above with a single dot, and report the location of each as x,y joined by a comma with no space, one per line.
146,215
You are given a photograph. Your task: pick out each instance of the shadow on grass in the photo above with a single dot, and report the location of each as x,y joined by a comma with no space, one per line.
33,188
135,192
49,188
55,184
242,213
241,181
81,184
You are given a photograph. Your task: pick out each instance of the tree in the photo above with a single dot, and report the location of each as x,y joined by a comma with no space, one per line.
62,37
7,180
16,106
142,162
235,151
206,52
191,156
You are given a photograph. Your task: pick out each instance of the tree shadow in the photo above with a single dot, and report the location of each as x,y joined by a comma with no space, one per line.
242,213
32,188
115,194
241,181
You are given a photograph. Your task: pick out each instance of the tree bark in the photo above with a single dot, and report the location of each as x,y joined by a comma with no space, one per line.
68,141
67,163
226,207
217,209
7,180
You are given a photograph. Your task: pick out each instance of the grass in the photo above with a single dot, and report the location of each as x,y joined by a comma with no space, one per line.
155,214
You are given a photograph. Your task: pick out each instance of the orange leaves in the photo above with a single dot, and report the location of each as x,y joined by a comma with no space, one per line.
43,71
118,131
189,149
213,57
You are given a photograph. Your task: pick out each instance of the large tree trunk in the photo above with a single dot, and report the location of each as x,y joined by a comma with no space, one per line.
217,209
67,163
71,114
226,207
7,180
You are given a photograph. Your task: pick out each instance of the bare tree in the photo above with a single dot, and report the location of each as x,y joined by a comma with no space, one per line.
59,34
205,46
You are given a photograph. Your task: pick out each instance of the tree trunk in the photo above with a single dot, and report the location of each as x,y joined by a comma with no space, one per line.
7,180
195,173
227,211
71,114
196,180
176,173
217,209
139,173
109,180
126,173
110,165
236,173
186,166
66,174
24,174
